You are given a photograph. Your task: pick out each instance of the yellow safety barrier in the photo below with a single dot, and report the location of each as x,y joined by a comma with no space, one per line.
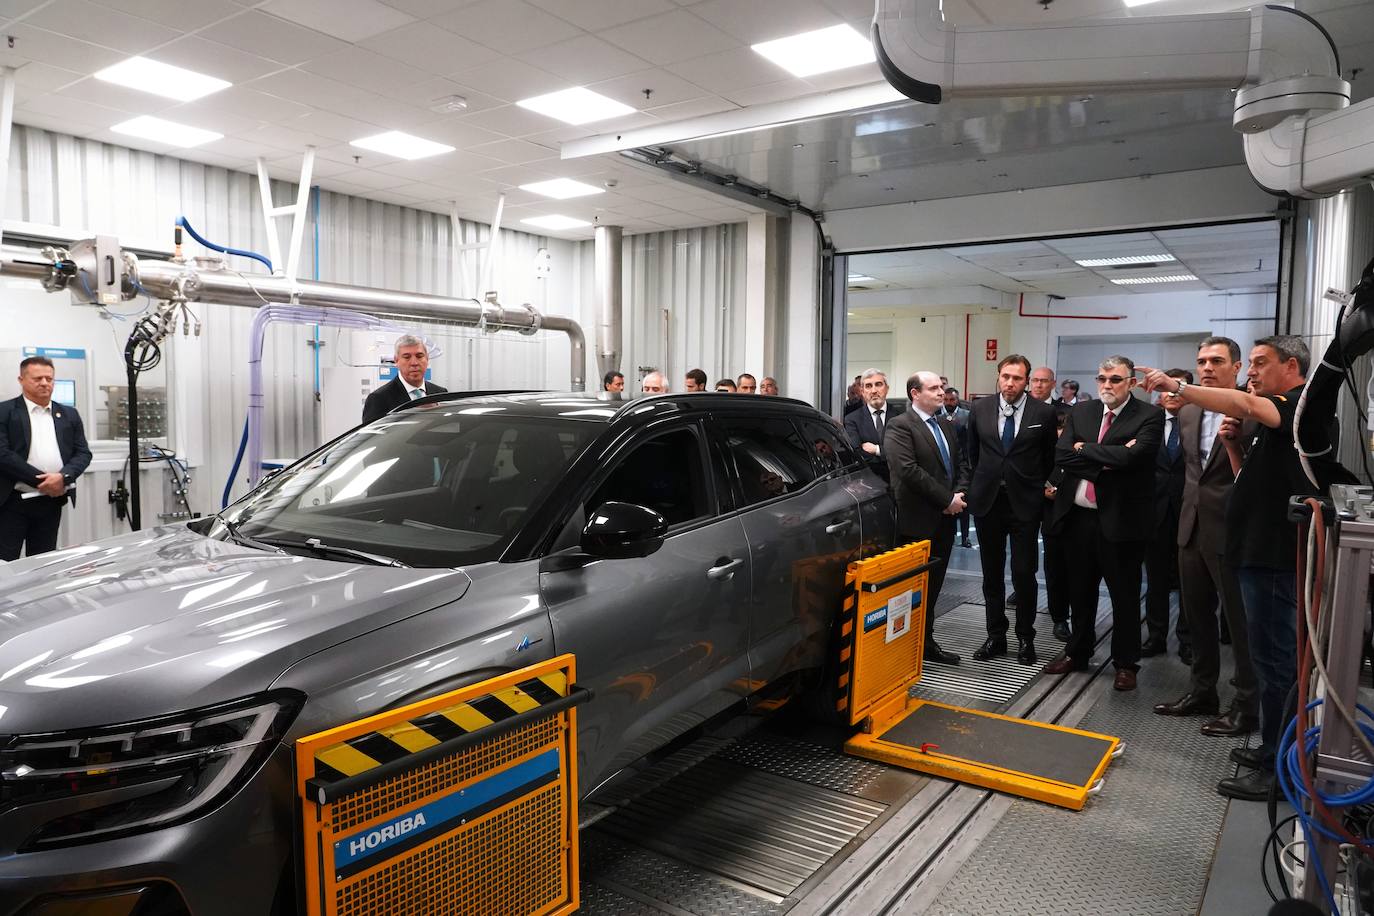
464,803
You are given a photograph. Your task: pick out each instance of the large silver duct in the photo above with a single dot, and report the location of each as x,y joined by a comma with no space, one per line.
192,282
608,298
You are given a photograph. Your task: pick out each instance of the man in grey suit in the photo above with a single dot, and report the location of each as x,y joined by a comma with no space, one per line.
929,474
1204,576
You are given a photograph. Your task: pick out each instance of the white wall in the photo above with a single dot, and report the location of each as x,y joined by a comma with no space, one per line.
937,343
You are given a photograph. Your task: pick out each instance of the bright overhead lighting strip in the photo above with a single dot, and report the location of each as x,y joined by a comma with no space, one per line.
169,132
556,222
401,145
1126,259
562,188
147,75
576,106
821,51
1141,281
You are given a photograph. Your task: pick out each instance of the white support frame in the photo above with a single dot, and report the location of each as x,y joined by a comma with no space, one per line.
6,123
297,212
460,270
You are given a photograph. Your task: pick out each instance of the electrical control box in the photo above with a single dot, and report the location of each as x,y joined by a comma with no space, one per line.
152,412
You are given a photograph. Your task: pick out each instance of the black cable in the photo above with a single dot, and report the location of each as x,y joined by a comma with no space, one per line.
1272,850
1348,374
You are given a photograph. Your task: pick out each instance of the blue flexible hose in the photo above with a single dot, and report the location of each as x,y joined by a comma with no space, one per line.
183,223
234,471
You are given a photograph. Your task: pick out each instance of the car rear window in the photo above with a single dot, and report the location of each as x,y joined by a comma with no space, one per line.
770,456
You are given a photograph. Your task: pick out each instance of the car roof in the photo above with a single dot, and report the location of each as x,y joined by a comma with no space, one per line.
604,406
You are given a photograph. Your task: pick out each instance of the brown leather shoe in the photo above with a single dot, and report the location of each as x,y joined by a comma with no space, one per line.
1064,664
1191,704
1125,679
1230,725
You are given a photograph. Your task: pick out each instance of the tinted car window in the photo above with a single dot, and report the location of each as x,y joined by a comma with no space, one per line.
770,457
829,450
430,487
663,473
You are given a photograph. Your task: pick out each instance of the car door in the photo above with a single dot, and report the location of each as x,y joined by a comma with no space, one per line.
802,525
662,641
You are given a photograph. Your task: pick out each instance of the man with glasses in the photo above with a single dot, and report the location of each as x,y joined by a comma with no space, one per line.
1105,501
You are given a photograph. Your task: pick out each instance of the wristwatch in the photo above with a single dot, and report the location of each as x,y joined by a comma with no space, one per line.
1178,392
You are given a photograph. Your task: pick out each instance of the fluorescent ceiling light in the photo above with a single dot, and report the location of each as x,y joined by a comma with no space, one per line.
859,278
1141,281
1126,259
820,51
1130,3
556,222
153,76
169,132
402,146
562,188
576,106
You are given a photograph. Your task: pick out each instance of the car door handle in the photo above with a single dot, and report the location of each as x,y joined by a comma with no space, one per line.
724,570
839,527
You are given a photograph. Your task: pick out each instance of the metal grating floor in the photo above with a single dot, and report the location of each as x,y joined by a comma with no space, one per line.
993,682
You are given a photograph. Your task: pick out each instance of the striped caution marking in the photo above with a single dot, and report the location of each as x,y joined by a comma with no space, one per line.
394,742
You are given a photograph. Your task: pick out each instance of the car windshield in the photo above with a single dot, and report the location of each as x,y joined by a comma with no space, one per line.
437,486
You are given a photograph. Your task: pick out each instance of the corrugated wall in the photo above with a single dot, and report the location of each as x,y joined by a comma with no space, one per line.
84,186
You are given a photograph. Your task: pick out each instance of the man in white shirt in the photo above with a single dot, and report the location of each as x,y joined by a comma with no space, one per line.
42,452
867,425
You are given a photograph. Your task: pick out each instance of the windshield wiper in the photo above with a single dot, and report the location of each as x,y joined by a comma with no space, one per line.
239,537
315,544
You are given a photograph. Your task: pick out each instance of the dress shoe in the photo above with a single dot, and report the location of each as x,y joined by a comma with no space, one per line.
965,543
1125,679
1064,664
1253,757
1253,786
1233,723
933,653
992,647
1185,655
1061,630
1224,635
1191,704
1152,647
1011,600
1025,653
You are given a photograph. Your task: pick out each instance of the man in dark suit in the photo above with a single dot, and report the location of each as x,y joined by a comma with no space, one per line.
412,361
1011,451
1161,557
1056,561
866,425
929,476
1205,578
1105,470
42,452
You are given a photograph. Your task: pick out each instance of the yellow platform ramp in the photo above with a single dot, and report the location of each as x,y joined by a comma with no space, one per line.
882,627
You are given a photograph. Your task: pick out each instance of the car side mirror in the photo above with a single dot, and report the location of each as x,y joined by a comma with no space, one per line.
620,531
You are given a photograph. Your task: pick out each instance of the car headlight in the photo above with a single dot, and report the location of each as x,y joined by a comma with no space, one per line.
93,784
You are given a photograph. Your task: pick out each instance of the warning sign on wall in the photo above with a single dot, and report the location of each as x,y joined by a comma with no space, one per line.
992,350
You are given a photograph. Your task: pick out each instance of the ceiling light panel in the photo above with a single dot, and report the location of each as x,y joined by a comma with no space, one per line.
402,145
556,222
1141,281
147,75
821,51
577,105
1126,259
561,188
169,132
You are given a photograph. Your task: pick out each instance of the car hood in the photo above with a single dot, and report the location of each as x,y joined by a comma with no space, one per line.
165,620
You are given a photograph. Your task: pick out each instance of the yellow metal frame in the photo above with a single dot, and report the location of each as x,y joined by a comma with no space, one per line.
495,763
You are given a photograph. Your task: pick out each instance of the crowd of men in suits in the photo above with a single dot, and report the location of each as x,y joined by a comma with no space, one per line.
1191,490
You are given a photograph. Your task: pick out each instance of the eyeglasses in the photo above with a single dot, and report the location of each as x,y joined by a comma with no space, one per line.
1111,379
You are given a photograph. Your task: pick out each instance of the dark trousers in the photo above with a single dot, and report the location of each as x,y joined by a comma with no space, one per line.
994,531
1161,578
1208,581
964,522
941,543
1056,576
30,523
1271,610
1096,559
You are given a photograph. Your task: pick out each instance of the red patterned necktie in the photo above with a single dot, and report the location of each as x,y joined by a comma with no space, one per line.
1091,491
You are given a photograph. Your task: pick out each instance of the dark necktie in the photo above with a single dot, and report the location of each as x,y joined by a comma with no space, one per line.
1172,443
878,422
1008,431
940,441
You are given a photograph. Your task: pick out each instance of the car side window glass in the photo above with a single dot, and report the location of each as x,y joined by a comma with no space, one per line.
770,456
829,450
665,474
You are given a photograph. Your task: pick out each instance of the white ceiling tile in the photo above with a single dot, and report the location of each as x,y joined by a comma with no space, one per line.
11,9
273,38
280,137
511,121
861,75
585,59
339,154
456,132
184,15
515,175
249,151
366,70
307,89
554,139
42,46
670,38
595,15
320,168
350,20
242,102
431,91
512,81
372,179
388,113
509,26
770,92
117,97
850,9
727,72
517,152
334,126
692,109
100,25
764,20
43,120
426,9
219,160
43,77
398,198
429,48
665,89
215,59
339,186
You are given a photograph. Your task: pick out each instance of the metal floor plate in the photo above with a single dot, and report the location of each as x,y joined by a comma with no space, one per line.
982,685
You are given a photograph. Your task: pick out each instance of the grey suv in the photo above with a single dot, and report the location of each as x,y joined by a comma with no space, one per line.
690,549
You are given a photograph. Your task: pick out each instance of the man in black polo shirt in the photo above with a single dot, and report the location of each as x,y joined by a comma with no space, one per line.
1261,542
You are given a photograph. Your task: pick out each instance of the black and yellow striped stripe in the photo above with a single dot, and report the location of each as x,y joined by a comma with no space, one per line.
395,742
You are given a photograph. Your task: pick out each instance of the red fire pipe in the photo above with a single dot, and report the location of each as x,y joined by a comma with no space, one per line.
968,319
1022,312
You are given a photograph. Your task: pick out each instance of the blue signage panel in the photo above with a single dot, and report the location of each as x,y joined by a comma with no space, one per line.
56,352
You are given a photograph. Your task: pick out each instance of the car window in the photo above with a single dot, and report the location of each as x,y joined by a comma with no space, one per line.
663,473
770,457
429,486
830,450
